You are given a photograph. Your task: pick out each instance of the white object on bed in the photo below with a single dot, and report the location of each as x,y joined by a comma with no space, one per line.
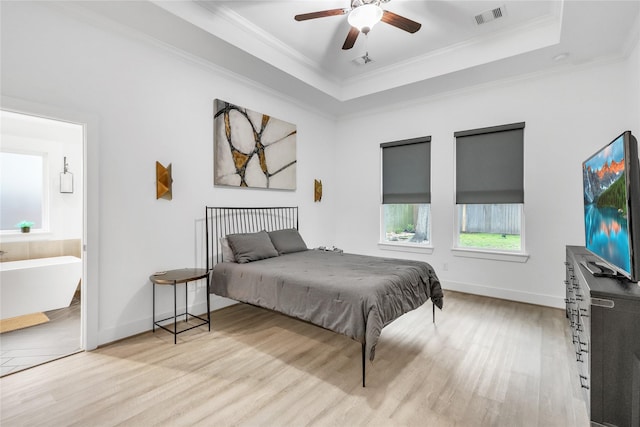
227,253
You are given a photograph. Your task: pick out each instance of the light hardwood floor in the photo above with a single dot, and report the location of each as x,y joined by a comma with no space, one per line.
485,362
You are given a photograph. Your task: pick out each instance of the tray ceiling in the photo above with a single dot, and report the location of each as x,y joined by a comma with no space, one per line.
260,40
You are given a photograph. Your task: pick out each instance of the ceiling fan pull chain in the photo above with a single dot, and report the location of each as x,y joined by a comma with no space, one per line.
366,49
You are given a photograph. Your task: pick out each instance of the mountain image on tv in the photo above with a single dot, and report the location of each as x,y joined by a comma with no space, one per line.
604,179
606,220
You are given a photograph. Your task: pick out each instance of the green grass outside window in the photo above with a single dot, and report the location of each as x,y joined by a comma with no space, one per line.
507,242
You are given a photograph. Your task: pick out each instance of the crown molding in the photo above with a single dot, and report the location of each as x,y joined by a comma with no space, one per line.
90,17
224,24
537,34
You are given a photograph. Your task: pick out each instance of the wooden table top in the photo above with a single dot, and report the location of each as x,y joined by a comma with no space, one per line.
182,275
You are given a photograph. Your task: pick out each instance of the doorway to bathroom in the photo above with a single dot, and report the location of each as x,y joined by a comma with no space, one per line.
41,239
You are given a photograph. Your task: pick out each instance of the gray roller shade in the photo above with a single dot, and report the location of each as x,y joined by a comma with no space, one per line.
406,171
489,165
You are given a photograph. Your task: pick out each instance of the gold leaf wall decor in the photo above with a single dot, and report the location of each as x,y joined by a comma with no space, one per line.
163,182
317,190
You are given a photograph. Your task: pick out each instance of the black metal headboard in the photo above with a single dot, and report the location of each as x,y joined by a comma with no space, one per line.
220,222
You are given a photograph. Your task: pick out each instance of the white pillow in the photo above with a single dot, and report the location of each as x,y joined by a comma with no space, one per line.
227,253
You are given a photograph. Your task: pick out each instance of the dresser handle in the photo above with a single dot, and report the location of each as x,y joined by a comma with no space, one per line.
605,303
582,377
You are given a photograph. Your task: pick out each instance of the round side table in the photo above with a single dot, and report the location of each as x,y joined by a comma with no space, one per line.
173,278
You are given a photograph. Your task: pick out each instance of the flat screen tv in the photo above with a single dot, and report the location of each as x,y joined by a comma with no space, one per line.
611,183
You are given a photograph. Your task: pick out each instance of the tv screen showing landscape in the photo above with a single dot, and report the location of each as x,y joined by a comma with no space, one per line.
605,205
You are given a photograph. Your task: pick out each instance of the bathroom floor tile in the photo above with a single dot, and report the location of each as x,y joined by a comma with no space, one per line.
39,344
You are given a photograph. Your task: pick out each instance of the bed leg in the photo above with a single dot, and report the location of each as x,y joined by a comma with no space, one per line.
363,362
433,306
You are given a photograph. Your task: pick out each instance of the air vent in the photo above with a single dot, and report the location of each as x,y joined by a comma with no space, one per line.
490,15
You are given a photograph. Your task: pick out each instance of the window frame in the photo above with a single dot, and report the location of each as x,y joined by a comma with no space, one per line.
489,253
404,246
46,200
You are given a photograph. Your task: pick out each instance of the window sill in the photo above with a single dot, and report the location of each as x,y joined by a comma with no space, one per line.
493,255
16,236
406,247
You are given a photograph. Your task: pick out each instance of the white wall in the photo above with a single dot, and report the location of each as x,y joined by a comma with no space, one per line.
568,115
151,105
633,74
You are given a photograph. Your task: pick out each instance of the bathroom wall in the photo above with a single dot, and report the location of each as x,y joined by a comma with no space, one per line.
16,251
62,226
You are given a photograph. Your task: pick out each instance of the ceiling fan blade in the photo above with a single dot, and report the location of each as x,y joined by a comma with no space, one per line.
400,22
351,38
320,14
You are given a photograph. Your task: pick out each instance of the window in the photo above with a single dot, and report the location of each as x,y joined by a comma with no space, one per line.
490,188
406,191
21,189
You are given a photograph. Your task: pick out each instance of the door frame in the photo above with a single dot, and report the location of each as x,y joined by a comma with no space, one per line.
91,197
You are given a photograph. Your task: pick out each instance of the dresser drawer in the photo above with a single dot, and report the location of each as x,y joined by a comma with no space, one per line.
604,319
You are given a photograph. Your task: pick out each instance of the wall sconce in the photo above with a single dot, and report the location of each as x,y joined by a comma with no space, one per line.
66,179
163,182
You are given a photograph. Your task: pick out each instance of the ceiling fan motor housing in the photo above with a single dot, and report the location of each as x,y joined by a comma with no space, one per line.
365,17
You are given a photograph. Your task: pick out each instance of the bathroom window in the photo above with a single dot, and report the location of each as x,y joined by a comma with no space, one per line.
22,190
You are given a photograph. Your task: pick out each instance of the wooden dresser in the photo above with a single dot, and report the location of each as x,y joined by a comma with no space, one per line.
604,316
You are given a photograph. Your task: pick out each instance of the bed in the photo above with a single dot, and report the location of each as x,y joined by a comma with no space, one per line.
257,256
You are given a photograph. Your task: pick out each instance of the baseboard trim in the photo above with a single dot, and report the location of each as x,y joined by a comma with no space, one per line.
507,294
110,335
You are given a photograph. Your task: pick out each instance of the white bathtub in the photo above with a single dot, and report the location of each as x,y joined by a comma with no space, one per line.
38,285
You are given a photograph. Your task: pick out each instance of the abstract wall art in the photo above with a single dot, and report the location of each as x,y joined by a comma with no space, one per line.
252,149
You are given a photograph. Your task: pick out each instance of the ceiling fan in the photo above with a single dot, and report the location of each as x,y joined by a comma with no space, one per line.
363,15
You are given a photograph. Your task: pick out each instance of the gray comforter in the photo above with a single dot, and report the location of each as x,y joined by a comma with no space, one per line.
353,295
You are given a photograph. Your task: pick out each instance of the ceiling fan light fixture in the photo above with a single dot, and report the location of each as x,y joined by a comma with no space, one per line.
365,17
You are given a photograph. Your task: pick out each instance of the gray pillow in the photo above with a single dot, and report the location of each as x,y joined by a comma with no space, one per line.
251,246
287,241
